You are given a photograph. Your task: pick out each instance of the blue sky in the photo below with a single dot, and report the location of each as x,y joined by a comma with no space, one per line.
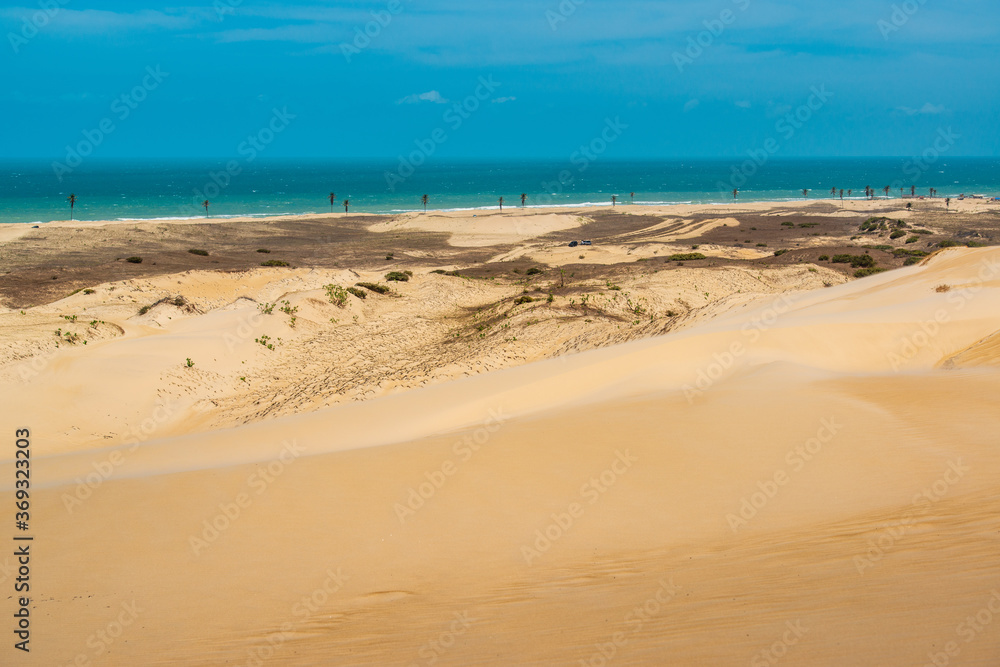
890,76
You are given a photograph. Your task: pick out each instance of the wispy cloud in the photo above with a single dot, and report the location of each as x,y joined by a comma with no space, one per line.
927,110
98,21
432,96
504,100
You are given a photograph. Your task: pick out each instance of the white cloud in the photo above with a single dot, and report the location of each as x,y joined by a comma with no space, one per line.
430,96
691,105
928,110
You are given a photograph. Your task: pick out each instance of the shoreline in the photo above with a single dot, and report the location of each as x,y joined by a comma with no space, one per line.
860,205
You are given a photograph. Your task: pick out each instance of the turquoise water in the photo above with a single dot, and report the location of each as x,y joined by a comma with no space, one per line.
34,192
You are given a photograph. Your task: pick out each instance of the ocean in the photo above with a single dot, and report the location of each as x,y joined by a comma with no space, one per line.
34,191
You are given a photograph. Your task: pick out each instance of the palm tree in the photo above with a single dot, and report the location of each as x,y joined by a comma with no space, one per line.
424,200
614,200
205,204
72,202
524,197
735,192
347,205
632,195
333,198
886,190
501,204
841,194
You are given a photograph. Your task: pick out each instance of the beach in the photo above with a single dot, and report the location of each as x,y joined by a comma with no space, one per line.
453,438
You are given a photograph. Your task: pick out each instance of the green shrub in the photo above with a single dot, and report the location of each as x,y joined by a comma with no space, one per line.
870,271
442,272
686,257
360,293
976,244
948,243
144,310
910,261
913,239
134,260
195,251
88,291
856,261
761,245
375,287
336,294
522,299
397,276
263,250
779,253
906,252
824,258
898,234
922,231
533,271
274,262
788,224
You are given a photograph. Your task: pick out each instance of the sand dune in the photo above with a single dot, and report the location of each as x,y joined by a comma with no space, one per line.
794,479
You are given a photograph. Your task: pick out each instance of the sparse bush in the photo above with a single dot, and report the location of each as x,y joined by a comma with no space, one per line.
948,243
788,224
975,244
337,295
88,291
134,260
397,276
522,299
266,308
870,271
913,239
856,261
942,288
779,253
686,257
144,310
910,261
195,251
533,271
274,262
389,257
898,234
824,258
264,251
375,287
190,364
442,272
360,293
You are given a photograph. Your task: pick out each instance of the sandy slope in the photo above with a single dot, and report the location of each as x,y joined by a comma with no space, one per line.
796,475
